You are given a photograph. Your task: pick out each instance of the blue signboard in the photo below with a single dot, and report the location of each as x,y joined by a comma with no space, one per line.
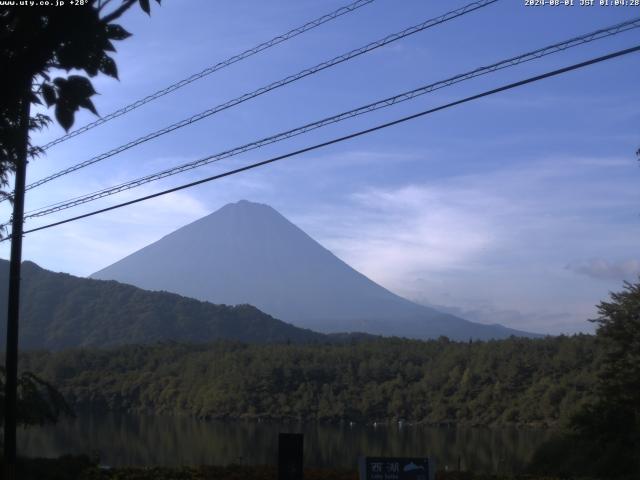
396,468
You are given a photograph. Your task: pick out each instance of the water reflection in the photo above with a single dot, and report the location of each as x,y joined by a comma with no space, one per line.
152,440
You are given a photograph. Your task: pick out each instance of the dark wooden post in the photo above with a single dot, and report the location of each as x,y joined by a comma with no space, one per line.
11,363
290,456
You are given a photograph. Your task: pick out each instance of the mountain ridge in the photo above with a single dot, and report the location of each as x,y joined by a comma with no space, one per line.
61,311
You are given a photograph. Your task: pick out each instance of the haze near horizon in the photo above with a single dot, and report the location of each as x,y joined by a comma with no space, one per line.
520,209
248,253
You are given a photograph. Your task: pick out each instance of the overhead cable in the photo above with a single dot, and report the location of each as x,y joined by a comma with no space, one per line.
380,104
211,69
510,86
272,86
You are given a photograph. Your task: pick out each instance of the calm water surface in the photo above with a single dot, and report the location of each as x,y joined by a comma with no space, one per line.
121,440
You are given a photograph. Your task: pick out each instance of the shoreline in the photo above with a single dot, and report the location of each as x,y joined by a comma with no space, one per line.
384,423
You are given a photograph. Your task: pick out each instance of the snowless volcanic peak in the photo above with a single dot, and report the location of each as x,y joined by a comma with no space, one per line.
248,253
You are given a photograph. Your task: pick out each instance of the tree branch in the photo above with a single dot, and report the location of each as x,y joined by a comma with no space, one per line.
102,4
117,13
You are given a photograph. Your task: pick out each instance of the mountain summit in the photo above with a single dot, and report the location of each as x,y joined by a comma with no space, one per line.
248,253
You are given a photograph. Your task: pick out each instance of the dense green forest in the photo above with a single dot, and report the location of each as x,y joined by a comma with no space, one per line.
62,311
515,381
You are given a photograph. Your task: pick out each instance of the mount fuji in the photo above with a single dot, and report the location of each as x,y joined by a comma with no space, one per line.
248,253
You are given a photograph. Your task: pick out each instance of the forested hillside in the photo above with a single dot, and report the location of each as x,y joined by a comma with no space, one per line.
62,311
514,381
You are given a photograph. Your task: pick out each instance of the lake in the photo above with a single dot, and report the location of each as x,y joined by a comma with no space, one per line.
122,440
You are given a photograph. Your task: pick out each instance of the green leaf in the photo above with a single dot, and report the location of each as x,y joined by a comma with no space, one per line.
92,65
108,47
144,4
64,115
88,104
77,53
108,66
72,93
49,94
79,87
35,100
116,32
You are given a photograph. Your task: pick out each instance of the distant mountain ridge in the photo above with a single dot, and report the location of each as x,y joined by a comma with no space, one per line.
248,253
61,311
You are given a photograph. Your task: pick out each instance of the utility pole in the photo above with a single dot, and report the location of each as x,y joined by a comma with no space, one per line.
15,263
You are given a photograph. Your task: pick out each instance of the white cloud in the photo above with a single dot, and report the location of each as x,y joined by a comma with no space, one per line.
499,240
416,228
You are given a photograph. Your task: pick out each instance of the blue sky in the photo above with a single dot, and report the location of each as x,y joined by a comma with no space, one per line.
522,208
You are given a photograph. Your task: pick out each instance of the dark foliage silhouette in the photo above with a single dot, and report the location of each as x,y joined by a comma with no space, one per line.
38,45
38,401
603,438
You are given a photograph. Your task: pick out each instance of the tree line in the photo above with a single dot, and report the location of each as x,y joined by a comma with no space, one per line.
509,382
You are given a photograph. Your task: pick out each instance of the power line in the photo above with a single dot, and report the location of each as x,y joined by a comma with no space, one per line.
280,83
510,86
387,102
213,68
